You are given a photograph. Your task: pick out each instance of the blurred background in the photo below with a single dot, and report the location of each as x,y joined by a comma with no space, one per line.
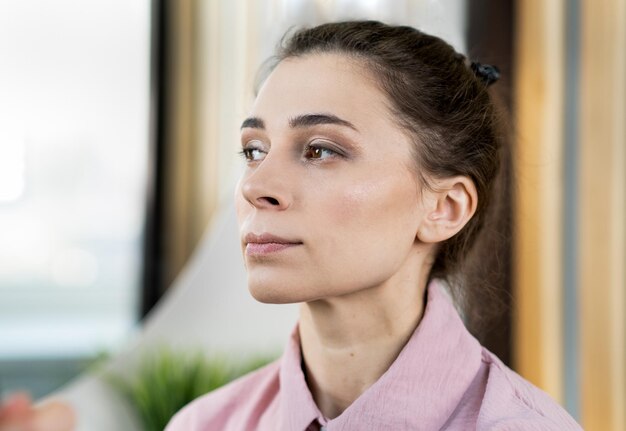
118,137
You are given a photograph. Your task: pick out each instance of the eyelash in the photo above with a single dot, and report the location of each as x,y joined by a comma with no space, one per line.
246,153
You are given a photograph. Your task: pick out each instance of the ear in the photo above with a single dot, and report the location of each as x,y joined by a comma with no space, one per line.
450,205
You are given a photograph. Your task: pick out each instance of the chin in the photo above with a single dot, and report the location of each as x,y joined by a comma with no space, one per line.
278,290
272,295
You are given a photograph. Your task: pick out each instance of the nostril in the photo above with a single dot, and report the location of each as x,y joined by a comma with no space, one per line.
270,200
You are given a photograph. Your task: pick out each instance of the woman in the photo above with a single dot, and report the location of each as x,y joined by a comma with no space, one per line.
372,152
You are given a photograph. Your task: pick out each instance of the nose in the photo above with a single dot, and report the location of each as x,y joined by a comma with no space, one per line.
266,186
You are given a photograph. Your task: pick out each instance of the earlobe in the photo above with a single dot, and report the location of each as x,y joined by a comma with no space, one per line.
452,204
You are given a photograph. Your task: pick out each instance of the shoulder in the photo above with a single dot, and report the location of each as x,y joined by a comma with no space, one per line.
512,403
242,398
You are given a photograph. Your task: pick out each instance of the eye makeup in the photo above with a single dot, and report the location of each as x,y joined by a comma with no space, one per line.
315,143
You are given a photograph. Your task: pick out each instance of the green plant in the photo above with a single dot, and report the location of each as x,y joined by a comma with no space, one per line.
167,381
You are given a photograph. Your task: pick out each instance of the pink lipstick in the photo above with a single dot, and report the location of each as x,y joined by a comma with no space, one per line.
265,244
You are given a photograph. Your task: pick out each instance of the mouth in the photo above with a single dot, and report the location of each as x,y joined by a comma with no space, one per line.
266,244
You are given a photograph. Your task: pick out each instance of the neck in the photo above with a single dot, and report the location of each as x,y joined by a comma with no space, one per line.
348,342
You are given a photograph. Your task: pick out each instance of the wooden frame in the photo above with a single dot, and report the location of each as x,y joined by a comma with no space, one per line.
602,259
539,93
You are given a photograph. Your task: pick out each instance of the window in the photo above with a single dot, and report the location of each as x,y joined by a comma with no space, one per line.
74,101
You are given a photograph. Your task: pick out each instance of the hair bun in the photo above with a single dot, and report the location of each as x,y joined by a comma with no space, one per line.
485,72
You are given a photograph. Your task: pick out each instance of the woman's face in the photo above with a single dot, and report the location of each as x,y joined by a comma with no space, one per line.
329,203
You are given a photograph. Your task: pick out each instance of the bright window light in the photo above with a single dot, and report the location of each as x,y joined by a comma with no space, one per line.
74,86
11,169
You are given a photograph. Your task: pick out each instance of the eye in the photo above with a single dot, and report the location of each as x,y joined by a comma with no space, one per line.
252,154
318,152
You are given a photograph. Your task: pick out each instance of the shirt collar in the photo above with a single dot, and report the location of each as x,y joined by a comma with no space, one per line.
297,407
421,389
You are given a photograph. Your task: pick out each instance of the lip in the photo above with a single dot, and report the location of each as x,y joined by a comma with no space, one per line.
266,243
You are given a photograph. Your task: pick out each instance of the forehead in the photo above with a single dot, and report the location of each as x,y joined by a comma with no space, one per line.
330,82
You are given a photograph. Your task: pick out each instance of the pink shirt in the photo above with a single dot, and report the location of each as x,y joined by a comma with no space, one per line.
442,379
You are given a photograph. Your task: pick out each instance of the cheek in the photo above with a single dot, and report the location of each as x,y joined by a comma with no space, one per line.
353,202
368,235
370,225
376,205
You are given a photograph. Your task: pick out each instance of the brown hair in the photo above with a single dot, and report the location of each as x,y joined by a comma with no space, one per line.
439,100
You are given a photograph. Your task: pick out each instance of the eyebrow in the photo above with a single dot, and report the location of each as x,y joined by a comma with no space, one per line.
306,120
253,123
309,120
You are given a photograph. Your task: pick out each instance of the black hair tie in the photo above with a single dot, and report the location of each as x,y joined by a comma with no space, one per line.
485,72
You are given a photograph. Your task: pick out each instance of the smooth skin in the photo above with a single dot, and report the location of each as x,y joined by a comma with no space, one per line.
329,170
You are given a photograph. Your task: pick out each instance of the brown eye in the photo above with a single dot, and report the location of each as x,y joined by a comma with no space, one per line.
313,153
317,153
253,151
253,154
